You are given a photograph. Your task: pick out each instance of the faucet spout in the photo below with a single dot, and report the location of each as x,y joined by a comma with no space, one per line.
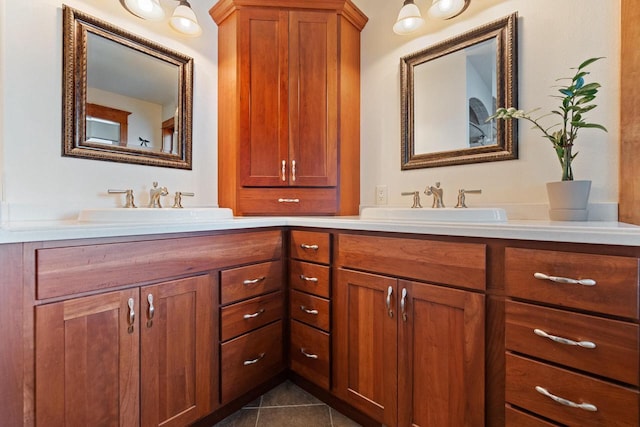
437,194
154,195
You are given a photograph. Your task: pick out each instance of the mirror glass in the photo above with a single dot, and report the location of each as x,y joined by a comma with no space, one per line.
126,99
448,92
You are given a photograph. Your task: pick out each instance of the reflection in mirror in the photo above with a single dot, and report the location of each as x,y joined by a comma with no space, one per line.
126,99
449,90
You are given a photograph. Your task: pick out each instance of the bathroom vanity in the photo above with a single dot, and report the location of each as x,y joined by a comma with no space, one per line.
394,322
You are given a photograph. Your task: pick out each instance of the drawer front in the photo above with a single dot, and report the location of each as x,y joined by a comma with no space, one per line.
515,418
453,263
310,246
310,353
311,310
310,278
613,340
250,360
616,406
244,316
287,201
245,282
77,269
616,280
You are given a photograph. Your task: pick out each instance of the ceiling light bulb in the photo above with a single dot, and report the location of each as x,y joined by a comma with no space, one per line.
409,19
145,9
184,20
447,9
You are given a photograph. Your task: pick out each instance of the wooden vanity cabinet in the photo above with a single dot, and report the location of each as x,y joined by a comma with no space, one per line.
572,338
408,352
289,84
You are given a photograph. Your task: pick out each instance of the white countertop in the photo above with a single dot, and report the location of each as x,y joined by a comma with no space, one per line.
597,232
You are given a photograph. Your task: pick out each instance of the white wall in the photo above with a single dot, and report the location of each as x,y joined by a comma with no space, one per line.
549,44
33,173
37,179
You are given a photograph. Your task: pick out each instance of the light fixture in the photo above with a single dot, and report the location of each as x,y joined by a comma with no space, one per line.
409,19
184,20
447,9
145,9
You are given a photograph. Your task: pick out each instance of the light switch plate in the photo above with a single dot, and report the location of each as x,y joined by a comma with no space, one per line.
382,195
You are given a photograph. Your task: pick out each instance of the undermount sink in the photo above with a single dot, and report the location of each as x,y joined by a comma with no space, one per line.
436,214
154,215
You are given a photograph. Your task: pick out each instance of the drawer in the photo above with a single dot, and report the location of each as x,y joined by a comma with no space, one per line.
251,314
310,278
310,353
614,340
310,246
615,405
309,309
516,418
246,282
250,360
287,201
453,263
616,280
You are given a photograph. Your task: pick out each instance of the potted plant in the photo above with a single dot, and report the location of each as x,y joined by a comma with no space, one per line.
567,198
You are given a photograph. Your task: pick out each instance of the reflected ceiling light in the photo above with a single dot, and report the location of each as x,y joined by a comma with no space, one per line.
184,20
447,9
409,19
145,9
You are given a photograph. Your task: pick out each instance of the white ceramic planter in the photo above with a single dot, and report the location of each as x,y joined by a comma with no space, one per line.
568,200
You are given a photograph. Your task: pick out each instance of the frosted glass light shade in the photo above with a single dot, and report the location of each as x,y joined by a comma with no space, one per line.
447,9
145,9
184,20
409,19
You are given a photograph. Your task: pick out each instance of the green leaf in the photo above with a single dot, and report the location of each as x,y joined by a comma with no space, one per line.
589,61
566,91
595,126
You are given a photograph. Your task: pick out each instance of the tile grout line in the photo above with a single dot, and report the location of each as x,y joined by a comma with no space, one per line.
258,416
330,415
302,405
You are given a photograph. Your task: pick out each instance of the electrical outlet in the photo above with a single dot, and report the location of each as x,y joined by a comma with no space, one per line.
381,195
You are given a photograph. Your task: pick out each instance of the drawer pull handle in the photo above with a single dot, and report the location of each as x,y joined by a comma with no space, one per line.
312,247
403,304
309,355
583,344
293,170
308,311
389,310
254,315
284,170
586,406
253,361
583,282
151,311
253,281
281,200
132,315
309,279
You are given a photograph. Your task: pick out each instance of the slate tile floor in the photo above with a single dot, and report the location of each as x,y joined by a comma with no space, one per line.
287,405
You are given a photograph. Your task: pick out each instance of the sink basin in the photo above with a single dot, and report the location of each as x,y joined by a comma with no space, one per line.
154,215
436,215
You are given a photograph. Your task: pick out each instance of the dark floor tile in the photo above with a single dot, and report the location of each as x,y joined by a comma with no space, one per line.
242,418
288,394
254,404
340,420
297,416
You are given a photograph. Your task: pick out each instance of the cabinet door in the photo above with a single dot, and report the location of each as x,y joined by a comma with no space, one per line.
176,351
313,98
264,111
87,361
441,356
365,353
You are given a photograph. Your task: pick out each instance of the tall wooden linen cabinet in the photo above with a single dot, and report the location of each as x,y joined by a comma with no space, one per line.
289,106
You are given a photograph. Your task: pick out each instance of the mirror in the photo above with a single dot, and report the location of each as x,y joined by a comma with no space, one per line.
447,92
125,99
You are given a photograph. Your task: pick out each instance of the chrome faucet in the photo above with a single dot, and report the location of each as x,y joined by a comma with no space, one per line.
436,192
416,198
177,200
461,197
154,195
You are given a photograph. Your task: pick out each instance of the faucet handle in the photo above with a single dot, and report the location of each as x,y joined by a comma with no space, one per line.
416,198
177,201
129,200
461,196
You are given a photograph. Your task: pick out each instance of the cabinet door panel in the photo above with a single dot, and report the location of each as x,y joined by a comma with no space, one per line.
366,349
313,83
87,362
176,351
263,91
441,363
